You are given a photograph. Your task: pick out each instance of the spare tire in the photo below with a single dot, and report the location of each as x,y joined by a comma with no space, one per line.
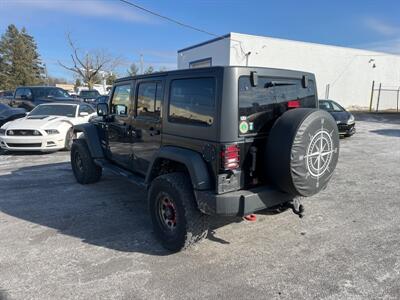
302,151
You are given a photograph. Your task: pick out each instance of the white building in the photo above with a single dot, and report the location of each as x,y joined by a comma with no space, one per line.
343,74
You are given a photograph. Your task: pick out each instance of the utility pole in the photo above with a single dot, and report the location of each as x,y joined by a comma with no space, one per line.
141,64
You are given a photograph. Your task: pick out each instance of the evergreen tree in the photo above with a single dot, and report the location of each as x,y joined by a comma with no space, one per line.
20,62
149,70
133,70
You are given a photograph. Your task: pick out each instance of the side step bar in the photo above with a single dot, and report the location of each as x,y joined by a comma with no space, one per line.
133,178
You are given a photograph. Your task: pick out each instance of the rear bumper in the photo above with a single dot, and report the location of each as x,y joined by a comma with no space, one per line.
240,203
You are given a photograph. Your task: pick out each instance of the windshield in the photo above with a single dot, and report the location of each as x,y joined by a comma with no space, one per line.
49,93
54,110
260,105
89,94
330,106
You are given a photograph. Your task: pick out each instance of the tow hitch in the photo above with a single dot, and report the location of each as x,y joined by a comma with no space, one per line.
297,207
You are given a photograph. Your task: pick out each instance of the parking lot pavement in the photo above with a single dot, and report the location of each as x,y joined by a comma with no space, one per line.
59,239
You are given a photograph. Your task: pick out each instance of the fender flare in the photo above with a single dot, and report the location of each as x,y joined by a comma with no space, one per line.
193,161
92,139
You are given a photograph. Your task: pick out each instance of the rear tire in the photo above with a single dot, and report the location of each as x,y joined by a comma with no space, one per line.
83,166
177,222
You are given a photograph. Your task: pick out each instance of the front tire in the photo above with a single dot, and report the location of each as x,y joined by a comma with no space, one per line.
83,166
177,222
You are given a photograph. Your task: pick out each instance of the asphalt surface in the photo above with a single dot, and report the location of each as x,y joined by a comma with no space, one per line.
62,240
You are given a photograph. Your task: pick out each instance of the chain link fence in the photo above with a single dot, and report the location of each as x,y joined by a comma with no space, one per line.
384,98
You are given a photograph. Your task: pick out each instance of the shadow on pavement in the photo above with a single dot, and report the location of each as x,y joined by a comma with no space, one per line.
111,213
24,153
387,132
3,295
389,118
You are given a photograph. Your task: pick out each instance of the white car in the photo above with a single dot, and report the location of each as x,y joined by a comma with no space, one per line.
47,128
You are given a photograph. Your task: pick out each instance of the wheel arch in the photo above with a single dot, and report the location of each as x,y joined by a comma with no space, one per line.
189,159
92,139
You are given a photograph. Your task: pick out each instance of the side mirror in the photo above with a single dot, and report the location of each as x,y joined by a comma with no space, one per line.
102,109
83,114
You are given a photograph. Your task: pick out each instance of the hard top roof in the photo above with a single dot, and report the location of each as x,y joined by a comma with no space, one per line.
202,70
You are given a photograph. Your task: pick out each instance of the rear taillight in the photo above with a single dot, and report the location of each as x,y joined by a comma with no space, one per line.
293,104
230,157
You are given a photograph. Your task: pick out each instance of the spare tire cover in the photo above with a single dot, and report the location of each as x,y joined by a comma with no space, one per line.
302,151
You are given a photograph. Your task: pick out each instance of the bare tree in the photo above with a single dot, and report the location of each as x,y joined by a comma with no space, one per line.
90,66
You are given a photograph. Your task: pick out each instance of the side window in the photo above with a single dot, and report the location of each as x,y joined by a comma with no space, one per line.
159,98
19,93
22,92
149,98
120,102
202,63
192,101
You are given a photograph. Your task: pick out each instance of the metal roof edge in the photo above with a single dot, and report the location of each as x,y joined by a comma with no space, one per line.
205,43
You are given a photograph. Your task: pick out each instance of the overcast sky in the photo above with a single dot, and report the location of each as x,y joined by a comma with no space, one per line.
127,32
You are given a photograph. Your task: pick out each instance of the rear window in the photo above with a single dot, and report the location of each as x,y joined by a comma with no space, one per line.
89,94
259,106
192,101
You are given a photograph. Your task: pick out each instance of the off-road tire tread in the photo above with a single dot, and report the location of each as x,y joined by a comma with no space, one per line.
92,172
196,222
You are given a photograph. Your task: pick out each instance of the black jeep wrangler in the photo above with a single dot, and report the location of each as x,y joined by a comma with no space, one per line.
225,141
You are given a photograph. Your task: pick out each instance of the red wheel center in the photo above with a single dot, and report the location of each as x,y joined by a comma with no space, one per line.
168,213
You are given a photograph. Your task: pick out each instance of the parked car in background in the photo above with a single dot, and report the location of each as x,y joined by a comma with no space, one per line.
48,127
101,99
89,95
30,96
344,119
8,113
6,96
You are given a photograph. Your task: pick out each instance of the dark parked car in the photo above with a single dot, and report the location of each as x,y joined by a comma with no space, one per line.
30,96
225,141
8,113
89,95
6,94
344,119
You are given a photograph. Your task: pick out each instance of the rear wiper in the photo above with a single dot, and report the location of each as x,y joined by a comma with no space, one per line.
277,83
